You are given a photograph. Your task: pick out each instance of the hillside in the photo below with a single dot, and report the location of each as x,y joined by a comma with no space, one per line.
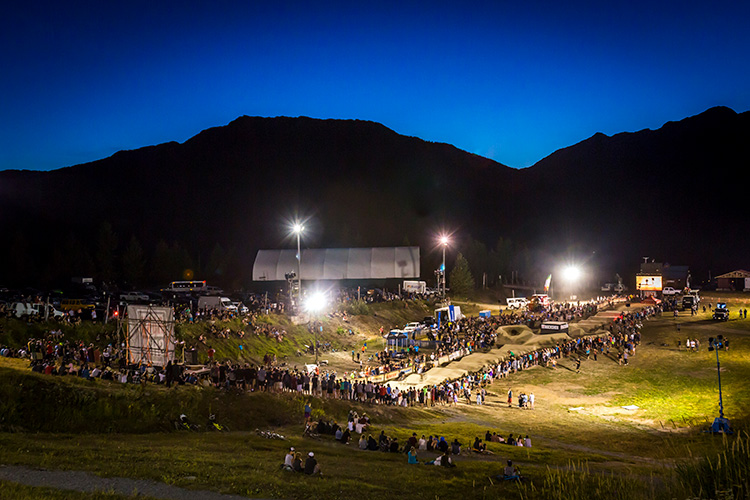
233,187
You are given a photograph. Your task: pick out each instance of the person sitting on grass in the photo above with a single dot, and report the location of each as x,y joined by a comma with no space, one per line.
413,456
297,463
362,442
511,473
288,459
393,446
455,447
311,465
478,446
443,445
445,459
345,436
372,445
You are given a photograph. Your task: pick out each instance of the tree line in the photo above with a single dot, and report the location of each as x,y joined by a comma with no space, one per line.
109,258
112,258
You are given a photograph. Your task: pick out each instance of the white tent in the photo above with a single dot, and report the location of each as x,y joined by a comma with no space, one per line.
338,263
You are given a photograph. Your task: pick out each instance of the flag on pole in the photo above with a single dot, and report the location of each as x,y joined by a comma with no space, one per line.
547,283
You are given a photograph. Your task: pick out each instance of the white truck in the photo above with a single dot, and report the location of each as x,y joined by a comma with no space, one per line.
218,303
517,302
21,309
415,287
134,297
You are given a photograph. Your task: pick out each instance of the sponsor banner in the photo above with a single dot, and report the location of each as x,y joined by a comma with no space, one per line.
652,283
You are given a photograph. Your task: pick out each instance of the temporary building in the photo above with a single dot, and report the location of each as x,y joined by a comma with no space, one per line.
338,263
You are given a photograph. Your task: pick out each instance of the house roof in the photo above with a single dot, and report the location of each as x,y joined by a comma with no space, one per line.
740,273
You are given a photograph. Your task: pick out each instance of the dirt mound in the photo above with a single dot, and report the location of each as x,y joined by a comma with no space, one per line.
522,339
514,334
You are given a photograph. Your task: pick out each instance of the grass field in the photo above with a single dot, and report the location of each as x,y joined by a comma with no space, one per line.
585,445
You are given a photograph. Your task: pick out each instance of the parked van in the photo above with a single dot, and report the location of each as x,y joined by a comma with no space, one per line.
218,303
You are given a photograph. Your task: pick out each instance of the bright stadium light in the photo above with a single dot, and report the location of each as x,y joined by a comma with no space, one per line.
316,302
297,229
572,274
444,241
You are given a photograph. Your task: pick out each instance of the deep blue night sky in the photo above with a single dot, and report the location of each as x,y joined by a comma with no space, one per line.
510,81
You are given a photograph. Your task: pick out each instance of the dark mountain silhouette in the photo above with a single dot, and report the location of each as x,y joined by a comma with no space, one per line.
663,193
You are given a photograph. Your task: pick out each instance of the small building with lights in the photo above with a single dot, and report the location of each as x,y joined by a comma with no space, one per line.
654,276
735,281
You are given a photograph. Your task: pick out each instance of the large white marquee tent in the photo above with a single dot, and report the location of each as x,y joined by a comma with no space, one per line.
338,263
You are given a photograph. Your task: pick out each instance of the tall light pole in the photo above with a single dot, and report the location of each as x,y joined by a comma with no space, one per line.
297,228
444,242
314,304
714,344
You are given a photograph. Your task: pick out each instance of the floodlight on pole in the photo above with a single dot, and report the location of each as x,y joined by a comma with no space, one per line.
572,273
314,304
444,241
297,229
720,424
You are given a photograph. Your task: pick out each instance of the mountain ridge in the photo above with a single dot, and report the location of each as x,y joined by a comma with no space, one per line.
363,184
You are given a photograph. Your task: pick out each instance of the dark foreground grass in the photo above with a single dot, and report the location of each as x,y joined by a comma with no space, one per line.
248,465
14,491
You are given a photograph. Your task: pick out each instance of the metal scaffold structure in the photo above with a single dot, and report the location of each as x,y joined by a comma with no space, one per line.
150,335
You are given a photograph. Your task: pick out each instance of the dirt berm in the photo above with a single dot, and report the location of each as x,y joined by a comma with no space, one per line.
516,339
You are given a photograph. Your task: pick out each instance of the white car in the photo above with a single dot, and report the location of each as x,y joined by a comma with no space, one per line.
410,327
517,302
241,308
668,290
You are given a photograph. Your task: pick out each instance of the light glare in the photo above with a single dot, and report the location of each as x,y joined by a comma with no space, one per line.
316,302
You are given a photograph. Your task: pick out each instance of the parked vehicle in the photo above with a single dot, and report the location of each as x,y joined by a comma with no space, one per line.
539,302
187,286
668,290
410,327
517,302
76,304
241,308
415,287
690,301
721,313
428,321
215,302
21,309
134,297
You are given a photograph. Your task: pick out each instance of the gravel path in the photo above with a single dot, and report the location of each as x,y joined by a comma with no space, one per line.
86,482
